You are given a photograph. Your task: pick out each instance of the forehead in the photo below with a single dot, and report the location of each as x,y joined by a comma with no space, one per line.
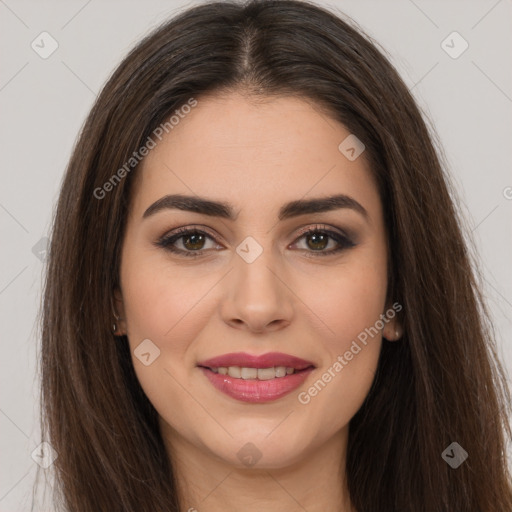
255,153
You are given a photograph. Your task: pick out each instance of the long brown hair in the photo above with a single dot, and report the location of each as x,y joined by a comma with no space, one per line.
441,383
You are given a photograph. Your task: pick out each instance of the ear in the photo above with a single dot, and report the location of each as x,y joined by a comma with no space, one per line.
119,313
393,329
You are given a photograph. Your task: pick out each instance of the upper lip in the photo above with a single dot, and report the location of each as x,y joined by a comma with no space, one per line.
267,360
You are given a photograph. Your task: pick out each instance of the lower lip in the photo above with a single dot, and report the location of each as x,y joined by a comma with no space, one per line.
256,391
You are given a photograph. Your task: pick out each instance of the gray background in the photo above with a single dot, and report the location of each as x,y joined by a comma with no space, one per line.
43,103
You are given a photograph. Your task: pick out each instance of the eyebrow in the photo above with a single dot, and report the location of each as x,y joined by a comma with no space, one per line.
225,210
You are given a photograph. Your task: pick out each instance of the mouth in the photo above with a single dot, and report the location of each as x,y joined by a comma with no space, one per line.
246,373
256,378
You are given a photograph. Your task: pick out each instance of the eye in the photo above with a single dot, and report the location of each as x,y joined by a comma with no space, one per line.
317,238
193,241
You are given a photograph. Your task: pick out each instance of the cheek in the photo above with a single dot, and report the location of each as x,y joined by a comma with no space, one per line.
162,306
170,308
351,299
166,309
351,309
351,306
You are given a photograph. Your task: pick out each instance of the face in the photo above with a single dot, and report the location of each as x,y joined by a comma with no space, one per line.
268,279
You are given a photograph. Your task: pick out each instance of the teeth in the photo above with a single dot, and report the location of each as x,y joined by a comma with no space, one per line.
248,373
267,373
281,371
234,371
238,372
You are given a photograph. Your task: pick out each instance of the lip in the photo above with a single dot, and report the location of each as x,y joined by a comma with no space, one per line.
267,360
254,390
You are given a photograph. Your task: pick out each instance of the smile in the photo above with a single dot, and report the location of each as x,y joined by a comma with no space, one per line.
256,379
254,373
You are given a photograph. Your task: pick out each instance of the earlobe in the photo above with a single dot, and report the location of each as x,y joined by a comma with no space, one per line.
392,331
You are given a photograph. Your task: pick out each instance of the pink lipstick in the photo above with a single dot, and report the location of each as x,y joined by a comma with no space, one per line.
256,379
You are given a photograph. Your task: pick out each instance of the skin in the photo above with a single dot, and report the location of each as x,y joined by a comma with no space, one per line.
256,155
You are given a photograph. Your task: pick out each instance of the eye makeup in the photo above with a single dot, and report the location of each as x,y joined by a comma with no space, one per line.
317,234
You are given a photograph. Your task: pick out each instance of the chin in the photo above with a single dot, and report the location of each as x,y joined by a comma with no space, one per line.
258,450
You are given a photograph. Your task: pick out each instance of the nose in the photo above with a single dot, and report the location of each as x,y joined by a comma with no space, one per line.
258,298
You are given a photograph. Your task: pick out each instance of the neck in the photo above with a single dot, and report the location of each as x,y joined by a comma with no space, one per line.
316,482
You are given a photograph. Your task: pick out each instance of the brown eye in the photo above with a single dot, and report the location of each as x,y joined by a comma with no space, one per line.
192,240
317,240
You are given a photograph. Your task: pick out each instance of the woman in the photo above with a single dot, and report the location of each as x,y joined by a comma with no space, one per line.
258,294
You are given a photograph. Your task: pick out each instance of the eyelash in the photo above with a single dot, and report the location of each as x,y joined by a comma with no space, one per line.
166,241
